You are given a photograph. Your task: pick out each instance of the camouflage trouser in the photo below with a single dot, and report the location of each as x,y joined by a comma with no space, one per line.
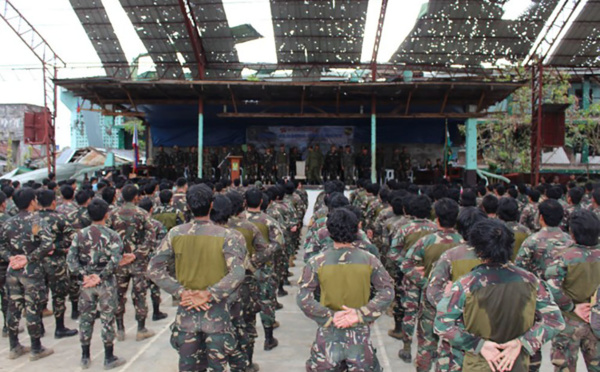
154,292
267,287
25,293
103,297
427,340
74,287
199,351
397,308
449,359
3,297
336,348
138,291
239,358
281,265
566,345
535,362
410,304
57,281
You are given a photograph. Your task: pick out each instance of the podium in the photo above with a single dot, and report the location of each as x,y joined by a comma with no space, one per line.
235,161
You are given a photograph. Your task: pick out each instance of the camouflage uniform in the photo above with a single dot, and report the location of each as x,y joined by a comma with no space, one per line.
3,269
595,314
289,220
568,211
424,253
218,269
135,228
373,209
78,218
348,167
521,233
26,234
179,202
320,201
530,217
384,215
510,294
540,249
97,250
11,208
168,215
324,242
311,240
573,278
326,272
159,232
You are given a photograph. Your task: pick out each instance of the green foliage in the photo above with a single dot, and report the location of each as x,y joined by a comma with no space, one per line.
129,127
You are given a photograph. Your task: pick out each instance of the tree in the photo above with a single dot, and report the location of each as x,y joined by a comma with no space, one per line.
129,126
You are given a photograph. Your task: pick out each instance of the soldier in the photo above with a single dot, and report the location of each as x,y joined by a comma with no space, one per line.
348,162
268,165
54,265
204,279
489,204
319,163
178,162
3,268
508,211
397,164
11,208
163,164
344,276
192,163
166,213
178,200
416,267
363,163
94,255
207,164
574,197
573,278
251,163
294,157
530,215
511,314
109,195
135,229
283,160
332,163
24,242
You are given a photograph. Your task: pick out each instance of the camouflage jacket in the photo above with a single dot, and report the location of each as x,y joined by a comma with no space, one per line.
309,282
11,208
79,218
179,201
62,232
450,325
414,230
530,217
163,210
320,213
320,202
159,233
364,206
540,249
26,234
311,239
95,250
66,208
135,228
595,313
389,226
419,255
216,318
373,209
568,211
304,197
262,251
324,242
275,238
383,216
576,260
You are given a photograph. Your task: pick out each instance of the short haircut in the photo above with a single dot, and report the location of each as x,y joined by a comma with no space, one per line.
266,200
397,206
585,227
508,209
253,197
342,225
468,217
199,199
165,196
439,191
181,181
492,240
420,206
45,198
237,202
481,190
489,204
446,211
329,187
373,188
67,192
8,191
354,209
24,197
589,186
51,185
150,188
552,212
146,204
384,194
97,209
129,193
468,198
108,194
338,200
513,193
500,189
2,197
82,197
534,195
454,194
236,182
576,194
554,192
222,209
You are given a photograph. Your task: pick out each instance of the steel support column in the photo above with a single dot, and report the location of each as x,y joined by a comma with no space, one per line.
200,136
373,139
471,152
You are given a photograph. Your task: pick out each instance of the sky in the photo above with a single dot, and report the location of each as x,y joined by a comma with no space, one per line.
21,75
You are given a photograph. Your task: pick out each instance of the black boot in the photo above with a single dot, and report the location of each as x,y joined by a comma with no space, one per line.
278,306
110,360
85,357
252,367
142,332
270,341
397,331
120,330
62,331
43,332
74,310
38,351
157,315
281,292
405,354
16,349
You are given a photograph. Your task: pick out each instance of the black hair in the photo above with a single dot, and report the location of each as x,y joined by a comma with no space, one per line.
67,192
589,186
522,188
446,211
266,200
165,196
342,225
454,194
150,188
513,193
181,181
489,204
24,197
373,188
500,189
481,190
585,227
420,206
97,209
552,212
439,191
129,193
8,191
237,202
355,210
492,240
2,197
554,192
236,182
384,194
108,194
253,197
222,209
329,187
337,200
468,217
468,198
165,186
146,204
51,185
508,209
576,194
82,197
534,195
199,198
45,198
397,206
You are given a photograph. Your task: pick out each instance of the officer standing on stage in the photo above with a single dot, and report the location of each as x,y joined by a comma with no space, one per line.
333,163
283,159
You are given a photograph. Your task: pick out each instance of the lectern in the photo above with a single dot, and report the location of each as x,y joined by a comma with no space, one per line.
236,161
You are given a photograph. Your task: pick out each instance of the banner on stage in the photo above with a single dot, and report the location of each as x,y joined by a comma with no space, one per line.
300,137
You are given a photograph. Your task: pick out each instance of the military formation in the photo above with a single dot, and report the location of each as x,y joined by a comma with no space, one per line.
477,278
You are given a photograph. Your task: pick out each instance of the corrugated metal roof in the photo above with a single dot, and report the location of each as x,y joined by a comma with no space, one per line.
581,45
95,21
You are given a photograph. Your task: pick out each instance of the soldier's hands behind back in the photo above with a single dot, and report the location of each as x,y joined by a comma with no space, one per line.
195,299
18,262
490,351
345,318
90,281
127,259
583,311
510,352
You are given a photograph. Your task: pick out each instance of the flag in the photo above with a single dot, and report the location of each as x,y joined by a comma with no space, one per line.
447,149
78,107
136,150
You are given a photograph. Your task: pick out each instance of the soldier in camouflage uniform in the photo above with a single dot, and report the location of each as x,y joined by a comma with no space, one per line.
178,200
510,313
508,211
370,203
55,264
3,268
24,242
573,278
251,163
162,162
268,166
348,165
178,160
282,160
11,208
333,163
204,279
94,256
386,212
402,240
416,267
166,213
344,275
312,243
530,215
192,163
574,204
135,228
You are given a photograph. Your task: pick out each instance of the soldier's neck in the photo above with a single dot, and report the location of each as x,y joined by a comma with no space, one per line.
255,210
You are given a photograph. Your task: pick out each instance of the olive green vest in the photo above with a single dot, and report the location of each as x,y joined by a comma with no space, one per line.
463,267
264,230
169,220
249,238
345,285
199,260
499,313
412,238
519,239
581,283
433,253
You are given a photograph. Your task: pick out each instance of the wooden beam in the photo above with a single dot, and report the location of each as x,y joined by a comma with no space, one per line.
233,99
410,94
446,95
302,100
481,100
267,115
